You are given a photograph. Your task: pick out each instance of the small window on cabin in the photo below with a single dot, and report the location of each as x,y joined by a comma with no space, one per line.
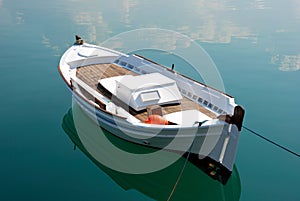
210,105
215,108
205,102
130,66
123,63
200,100
194,97
150,96
220,111
117,61
189,94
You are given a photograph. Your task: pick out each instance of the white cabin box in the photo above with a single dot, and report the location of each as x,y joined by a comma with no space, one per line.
141,91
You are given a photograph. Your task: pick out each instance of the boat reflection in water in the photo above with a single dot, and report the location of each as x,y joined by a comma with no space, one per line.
193,184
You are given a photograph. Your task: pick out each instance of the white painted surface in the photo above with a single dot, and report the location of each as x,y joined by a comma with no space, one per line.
143,90
187,118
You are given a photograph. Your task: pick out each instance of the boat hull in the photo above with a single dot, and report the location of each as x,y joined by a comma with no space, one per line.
217,142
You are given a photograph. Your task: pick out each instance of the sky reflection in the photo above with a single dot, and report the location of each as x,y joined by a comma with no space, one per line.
256,22
287,62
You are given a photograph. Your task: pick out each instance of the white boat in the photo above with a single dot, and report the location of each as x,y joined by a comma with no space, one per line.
146,103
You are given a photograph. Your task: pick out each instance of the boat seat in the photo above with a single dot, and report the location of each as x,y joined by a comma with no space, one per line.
112,108
186,117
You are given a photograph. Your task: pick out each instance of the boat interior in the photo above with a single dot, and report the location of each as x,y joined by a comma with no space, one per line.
174,112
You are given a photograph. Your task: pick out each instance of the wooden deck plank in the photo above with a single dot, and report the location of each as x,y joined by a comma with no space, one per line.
92,73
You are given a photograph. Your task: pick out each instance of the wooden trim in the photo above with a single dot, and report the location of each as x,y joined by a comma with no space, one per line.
61,74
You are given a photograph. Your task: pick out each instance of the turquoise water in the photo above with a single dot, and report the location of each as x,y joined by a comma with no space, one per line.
254,44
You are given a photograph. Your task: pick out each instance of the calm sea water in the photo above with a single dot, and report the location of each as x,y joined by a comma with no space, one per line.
254,44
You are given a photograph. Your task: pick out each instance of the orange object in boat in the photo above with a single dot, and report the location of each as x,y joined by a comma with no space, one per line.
156,119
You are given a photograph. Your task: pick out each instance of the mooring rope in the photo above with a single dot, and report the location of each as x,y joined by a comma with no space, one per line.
181,172
272,142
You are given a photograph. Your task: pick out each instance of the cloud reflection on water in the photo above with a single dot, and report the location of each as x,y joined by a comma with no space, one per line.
217,22
287,62
47,43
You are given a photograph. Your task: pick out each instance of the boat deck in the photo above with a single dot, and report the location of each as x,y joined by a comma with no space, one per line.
92,73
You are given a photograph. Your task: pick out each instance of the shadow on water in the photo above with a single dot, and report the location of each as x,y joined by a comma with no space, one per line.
194,184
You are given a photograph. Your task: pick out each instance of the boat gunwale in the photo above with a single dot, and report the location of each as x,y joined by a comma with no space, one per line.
154,126
142,124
